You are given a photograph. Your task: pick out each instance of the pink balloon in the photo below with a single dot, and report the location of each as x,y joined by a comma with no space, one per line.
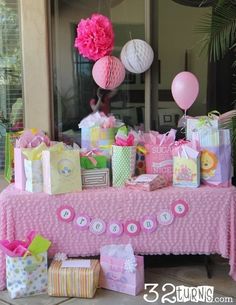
185,89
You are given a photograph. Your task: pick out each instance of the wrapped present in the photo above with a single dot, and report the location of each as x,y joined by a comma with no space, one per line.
98,130
10,140
121,270
216,166
123,157
146,182
91,159
95,178
26,265
73,278
159,158
201,122
29,141
186,164
61,170
140,160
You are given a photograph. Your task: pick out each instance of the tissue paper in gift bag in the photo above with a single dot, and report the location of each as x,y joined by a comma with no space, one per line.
73,281
26,276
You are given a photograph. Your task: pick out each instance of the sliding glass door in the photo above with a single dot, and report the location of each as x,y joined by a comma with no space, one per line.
72,79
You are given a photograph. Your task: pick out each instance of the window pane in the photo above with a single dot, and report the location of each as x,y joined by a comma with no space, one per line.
74,87
11,104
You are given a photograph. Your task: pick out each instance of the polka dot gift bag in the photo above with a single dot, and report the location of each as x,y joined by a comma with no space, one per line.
26,265
123,157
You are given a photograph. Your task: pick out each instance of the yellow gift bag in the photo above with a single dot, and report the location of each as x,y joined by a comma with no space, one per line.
61,171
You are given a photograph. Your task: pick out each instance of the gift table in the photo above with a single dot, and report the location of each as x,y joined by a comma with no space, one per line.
209,225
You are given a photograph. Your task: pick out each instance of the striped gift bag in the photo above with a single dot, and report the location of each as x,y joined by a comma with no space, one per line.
73,281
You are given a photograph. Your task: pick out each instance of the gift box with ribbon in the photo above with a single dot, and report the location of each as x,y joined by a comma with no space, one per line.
121,270
95,178
91,159
186,164
26,265
73,278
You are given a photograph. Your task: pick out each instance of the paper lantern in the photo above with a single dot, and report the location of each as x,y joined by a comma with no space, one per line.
108,72
137,56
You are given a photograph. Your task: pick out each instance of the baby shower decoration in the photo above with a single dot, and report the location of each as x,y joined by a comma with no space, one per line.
137,56
95,41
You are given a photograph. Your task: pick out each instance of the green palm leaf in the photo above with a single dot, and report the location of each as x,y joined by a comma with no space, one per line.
219,29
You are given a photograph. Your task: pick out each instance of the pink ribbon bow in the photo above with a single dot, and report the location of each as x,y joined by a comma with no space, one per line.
89,154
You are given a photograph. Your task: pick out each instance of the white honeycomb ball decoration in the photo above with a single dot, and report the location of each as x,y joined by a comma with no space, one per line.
137,56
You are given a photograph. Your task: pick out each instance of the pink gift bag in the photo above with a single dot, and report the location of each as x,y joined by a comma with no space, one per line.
114,277
159,158
20,179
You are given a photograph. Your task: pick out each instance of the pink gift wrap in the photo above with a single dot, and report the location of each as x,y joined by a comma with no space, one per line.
208,227
114,277
20,179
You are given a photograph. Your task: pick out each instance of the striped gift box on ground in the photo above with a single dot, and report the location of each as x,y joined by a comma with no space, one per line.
73,282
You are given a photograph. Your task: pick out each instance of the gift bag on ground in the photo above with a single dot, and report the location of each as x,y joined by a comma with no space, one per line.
73,278
186,164
61,171
123,164
216,166
26,275
159,158
121,270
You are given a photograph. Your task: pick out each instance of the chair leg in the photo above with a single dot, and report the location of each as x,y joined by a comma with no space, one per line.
207,263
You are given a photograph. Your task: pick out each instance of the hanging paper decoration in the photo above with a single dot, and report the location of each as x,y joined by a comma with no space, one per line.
115,228
132,227
137,56
165,217
95,37
179,208
82,221
148,224
97,226
66,213
108,72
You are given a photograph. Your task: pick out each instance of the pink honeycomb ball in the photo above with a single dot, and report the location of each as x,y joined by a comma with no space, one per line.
108,72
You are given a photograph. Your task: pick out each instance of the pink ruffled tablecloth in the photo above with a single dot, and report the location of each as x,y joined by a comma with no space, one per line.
209,226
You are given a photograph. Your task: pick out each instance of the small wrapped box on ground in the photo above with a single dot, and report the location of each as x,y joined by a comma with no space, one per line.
73,281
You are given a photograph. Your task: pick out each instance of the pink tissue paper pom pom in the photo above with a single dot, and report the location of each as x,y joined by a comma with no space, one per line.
95,37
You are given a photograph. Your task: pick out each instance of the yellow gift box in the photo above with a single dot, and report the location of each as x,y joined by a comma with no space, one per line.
73,281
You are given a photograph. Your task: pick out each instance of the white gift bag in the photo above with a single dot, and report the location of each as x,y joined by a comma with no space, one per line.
34,175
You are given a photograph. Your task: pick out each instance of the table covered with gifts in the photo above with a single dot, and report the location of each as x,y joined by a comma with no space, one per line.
168,220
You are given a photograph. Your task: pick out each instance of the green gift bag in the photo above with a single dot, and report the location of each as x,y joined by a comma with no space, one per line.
10,140
123,164
86,162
